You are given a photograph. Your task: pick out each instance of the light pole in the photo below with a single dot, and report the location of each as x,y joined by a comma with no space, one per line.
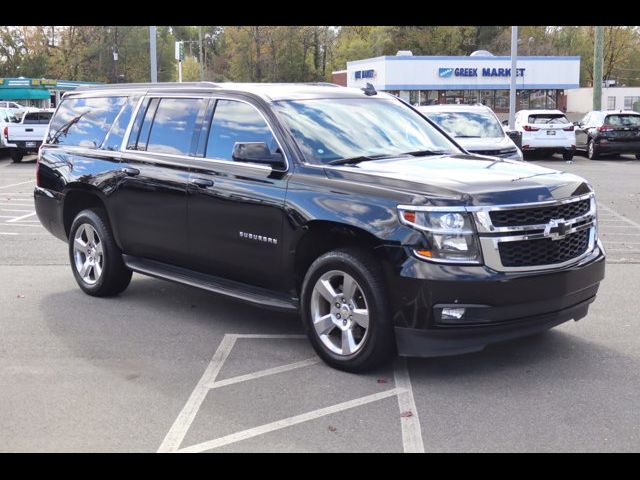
512,87
597,68
153,55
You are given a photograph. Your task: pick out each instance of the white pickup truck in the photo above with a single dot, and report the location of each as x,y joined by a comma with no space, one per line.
27,135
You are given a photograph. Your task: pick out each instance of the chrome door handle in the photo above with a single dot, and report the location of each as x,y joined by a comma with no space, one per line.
201,182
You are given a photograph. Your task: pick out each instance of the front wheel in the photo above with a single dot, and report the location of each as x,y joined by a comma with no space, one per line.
96,260
345,311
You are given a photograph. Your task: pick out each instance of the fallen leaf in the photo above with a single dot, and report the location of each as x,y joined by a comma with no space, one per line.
382,380
332,428
407,414
20,296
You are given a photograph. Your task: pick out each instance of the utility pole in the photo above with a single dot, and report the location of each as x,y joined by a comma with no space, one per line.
200,52
512,88
597,68
153,55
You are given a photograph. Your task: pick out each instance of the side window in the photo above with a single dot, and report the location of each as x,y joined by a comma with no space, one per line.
233,122
119,127
84,122
173,125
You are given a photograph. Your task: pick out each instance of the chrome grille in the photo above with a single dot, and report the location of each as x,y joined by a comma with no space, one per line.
536,216
539,236
530,253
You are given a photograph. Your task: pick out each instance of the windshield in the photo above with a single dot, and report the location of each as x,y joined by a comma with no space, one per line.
547,118
623,120
337,128
468,124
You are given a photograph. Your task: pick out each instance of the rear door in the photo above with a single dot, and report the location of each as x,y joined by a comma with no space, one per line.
236,210
150,204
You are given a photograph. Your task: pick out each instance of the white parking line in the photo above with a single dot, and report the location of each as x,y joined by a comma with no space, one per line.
17,219
8,233
287,422
16,184
410,423
173,439
621,217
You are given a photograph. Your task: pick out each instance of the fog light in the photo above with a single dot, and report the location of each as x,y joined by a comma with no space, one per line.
452,313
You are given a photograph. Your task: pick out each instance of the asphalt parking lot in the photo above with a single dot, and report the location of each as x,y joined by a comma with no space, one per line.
165,367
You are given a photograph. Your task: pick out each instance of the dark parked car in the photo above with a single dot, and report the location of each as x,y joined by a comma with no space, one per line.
609,132
346,205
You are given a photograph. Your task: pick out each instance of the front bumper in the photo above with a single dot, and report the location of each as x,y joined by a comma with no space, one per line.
499,306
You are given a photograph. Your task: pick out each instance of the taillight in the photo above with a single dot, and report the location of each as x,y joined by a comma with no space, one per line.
529,128
568,129
5,132
605,128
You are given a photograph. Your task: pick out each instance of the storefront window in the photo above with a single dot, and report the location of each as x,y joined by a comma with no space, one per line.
486,98
414,97
523,99
502,100
551,103
454,96
428,97
537,99
471,97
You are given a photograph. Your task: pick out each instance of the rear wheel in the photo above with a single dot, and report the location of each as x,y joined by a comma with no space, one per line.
96,260
567,156
592,151
16,155
345,310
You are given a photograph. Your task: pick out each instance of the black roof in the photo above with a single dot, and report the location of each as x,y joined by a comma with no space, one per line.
268,91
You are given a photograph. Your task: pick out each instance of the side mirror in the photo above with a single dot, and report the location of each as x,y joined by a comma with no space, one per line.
577,124
256,152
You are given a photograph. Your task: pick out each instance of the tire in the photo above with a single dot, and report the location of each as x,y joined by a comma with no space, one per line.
364,348
16,155
592,151
637,156
567,156
106,274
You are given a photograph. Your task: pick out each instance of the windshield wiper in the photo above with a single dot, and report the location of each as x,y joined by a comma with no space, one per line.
424,153
354,160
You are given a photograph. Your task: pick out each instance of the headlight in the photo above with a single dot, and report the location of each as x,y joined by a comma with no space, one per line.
450,235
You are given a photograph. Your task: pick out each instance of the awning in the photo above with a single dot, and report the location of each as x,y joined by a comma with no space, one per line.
24,94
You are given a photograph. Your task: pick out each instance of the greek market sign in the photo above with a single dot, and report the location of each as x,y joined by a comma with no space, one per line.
444,72
359,74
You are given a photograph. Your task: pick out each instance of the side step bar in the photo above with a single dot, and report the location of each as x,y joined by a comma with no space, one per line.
246,293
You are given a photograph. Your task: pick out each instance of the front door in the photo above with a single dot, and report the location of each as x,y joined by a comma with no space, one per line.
236,209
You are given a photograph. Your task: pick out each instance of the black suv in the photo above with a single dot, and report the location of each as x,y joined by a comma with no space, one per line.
609,132
347,205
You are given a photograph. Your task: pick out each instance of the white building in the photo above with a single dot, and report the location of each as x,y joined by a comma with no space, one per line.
478,78
580,100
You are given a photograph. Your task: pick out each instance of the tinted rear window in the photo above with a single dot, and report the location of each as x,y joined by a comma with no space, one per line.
84,122
547,118
623,120
37,118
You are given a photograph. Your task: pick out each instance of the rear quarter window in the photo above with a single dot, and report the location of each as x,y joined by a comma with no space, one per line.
84,122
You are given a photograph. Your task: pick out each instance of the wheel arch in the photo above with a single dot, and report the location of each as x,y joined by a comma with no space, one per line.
79,197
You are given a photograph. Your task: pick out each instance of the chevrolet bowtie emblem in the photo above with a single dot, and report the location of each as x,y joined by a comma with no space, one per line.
559,225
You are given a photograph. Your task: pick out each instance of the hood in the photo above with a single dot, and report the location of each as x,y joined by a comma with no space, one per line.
465,179
486,144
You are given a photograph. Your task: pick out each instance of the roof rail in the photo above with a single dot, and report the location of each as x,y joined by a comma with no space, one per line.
323,84
170,85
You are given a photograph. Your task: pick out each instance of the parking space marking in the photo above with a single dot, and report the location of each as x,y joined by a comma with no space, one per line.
17,219
264,373
287,422
16,184
410,423
411,431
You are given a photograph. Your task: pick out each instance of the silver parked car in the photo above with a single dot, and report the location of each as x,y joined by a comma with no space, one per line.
475,127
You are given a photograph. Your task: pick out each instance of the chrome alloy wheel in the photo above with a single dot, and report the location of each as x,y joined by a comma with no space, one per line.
339,312
88,254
